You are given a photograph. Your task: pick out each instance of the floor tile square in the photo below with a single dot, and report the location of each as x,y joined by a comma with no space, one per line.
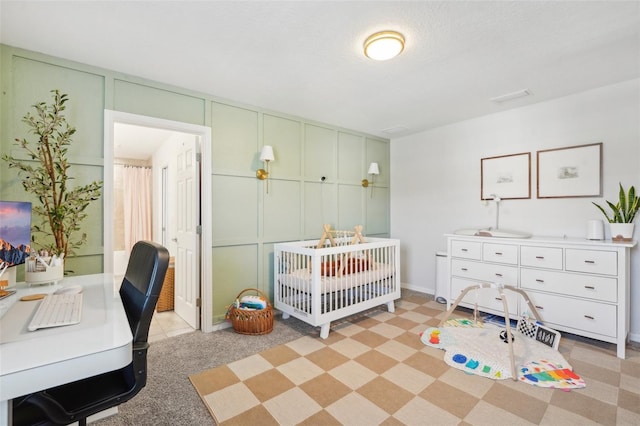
268,384
300,370
408,378
385,394
376,361
231,401
354,409
325,389
281,406
249,367
352,374
327,358
455,401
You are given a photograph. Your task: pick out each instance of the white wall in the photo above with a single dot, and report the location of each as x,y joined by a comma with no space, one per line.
435,176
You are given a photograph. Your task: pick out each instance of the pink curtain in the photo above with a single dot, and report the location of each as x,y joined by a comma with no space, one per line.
137,205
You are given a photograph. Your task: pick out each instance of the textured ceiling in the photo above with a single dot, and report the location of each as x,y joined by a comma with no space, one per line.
305,57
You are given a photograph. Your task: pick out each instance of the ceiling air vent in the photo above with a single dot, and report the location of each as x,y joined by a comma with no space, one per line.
511,96
395,130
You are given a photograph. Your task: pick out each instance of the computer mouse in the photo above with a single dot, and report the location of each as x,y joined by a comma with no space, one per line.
72,289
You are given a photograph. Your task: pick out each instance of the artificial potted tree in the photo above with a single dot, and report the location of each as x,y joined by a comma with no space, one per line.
622,214
45,174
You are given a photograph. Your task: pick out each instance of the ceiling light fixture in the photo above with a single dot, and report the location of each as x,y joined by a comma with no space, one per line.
384,45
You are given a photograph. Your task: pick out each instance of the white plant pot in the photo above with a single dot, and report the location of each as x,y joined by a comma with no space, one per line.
621,231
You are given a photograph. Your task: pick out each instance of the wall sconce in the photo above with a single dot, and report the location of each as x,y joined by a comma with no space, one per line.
266,155
373,171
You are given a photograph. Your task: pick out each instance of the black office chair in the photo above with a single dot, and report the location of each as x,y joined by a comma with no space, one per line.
74,402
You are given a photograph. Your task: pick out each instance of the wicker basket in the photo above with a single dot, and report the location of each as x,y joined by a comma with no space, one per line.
165,301
255,322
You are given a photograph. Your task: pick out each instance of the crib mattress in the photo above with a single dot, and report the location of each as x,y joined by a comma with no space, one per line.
301,279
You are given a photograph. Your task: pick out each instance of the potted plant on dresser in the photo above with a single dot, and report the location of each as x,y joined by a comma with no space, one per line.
622,214
45,175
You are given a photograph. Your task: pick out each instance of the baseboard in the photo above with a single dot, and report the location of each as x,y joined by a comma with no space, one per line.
418,289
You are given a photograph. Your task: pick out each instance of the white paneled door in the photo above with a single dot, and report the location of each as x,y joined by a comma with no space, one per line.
187,260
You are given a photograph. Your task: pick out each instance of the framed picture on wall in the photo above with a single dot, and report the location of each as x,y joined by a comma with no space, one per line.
506,176
574,171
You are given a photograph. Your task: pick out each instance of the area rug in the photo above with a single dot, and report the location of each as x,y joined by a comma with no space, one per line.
482,349
372,369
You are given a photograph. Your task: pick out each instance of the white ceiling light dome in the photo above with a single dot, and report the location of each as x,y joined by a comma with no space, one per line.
384,45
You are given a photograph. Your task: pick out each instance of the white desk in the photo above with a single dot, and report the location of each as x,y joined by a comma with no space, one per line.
34,360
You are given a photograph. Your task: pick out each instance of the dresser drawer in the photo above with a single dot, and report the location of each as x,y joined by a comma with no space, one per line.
466,249
488,299
584,315
587,286
485,272
501,253
541,257
592,261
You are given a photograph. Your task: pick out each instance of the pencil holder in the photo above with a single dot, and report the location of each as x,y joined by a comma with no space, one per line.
51,275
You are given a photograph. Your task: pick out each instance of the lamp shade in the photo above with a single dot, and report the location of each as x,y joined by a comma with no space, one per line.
267,153
373,169
384,45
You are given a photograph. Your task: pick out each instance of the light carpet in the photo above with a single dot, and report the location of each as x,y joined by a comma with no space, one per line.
373,369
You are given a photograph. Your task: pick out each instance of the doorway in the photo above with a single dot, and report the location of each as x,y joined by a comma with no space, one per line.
163,136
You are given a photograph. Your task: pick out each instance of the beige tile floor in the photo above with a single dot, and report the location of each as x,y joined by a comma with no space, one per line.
167,324
163,324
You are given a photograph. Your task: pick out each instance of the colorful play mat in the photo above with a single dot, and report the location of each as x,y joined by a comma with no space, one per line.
482,349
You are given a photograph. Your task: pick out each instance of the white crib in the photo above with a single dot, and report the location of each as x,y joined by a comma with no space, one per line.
320,285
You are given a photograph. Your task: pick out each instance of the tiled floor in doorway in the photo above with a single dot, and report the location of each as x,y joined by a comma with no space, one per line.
167,324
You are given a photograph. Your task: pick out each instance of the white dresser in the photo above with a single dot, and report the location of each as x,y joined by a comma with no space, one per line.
577,286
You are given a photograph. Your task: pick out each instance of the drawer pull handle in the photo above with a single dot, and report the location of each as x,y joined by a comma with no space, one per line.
499,298
538,280
498,275
540,257
589,317
465,250
498,253
590,261
589,287
540,307
464,269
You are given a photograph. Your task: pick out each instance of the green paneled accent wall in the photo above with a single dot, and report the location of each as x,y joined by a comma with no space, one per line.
267,269
320,153
285,136
148,100
320,207
245,219
378,152
282,211
377,210
234,219
234,269
234,135
350,207
83,109
351,167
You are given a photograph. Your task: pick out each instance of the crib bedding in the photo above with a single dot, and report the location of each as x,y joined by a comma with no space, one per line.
301,279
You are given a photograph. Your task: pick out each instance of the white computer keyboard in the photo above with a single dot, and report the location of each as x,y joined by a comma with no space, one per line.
56,310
